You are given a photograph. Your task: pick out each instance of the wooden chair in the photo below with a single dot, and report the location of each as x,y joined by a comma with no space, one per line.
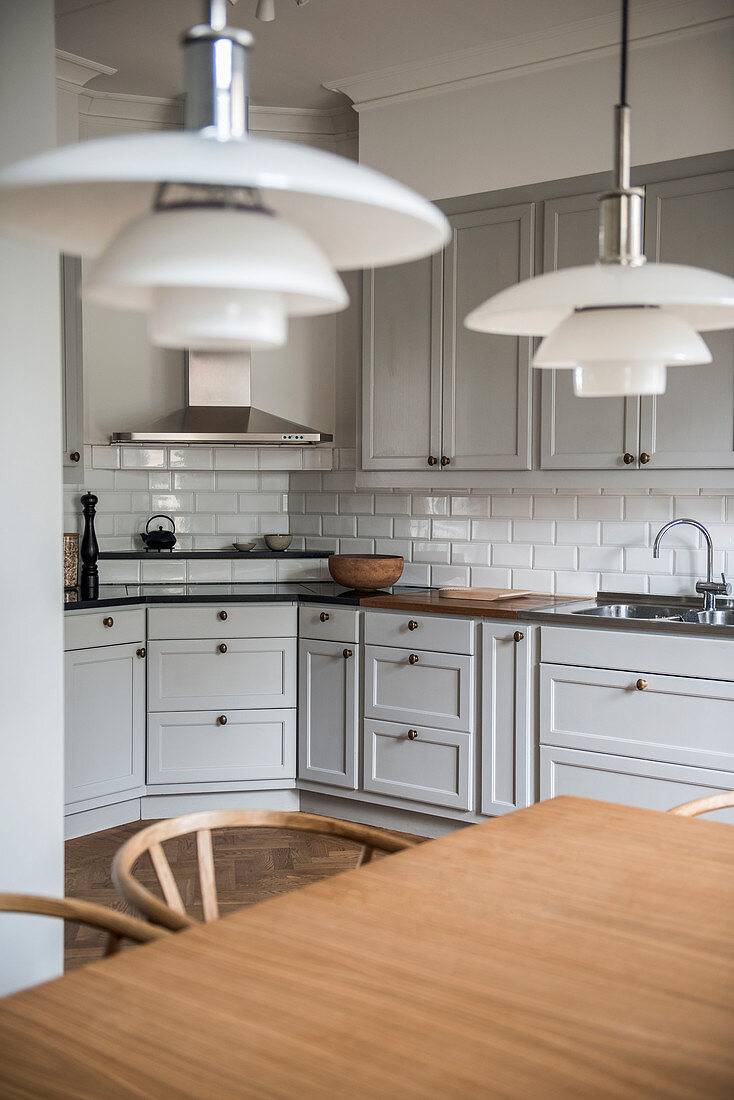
172,913
704,805
117,925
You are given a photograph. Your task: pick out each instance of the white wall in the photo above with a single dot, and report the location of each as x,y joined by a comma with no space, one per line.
31,719
555,121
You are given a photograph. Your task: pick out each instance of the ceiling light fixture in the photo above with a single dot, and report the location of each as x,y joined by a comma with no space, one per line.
618,323
265,11
255,225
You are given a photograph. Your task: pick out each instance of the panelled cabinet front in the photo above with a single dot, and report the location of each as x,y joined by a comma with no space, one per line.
328,712
509,765
104,721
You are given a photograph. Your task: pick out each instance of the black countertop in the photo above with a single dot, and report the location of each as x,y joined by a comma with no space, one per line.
228,555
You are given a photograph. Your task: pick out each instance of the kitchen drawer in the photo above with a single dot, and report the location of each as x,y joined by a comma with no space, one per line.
439,632
434,767
199,748
645,783
224,621
85,629
328,623
674,718
437,689
677,655
253,673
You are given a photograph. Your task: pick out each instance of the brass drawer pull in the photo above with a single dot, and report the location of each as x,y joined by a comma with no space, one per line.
644,458
445,460
222,720
518,635
222,616
140,652
432,460
109,621
628,458
222,647
413,659
412,625
75,456
641,685
412,735
347,653
324,617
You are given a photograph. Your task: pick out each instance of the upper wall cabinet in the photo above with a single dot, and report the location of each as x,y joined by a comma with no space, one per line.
433,393
691,221
587,433
71,368
691,425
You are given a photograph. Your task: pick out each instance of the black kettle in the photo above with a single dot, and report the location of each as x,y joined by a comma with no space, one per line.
160,539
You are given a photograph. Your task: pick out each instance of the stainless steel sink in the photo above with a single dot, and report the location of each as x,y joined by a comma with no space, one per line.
715,618
639,611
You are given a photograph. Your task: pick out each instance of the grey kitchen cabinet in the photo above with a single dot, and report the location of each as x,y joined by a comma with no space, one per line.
419,687
328,712
401,366
104,722
587,433
691,425
486,378
72,389
418,763
509,766
648,784
433,393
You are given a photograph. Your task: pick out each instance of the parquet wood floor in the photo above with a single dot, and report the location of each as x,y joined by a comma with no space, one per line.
251,865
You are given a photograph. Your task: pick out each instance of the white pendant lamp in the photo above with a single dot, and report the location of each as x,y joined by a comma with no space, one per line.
618,323
240,267
80,197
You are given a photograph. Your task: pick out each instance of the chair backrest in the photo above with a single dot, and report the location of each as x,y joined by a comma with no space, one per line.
704,805
172,913
117,925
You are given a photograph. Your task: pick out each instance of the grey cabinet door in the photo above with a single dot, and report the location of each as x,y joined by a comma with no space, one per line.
508,763
104,721
401,366
421,764
486,378
72,368
589,433
328,719
691,221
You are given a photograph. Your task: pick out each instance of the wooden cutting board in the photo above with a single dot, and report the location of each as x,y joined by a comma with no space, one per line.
488,594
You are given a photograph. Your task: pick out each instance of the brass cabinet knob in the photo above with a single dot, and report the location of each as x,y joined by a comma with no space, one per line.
412,735
413,659
222,720
432,460
445,460
347,653
518,635
109,621
644,458
140,652
222,616
222,647
324,617
75,456
628,458
641,685
412,624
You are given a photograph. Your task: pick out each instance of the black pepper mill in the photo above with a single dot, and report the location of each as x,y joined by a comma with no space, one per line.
89,550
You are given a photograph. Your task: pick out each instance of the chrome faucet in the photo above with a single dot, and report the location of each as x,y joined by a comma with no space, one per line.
709,588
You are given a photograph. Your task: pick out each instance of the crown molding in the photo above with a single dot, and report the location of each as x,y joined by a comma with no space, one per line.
77,71
586,38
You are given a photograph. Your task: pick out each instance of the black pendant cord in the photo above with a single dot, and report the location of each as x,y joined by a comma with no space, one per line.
623,57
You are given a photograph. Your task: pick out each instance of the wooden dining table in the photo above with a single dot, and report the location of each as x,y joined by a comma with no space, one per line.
573,949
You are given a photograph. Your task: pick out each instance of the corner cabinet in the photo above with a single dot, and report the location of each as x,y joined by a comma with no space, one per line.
687,221
433,393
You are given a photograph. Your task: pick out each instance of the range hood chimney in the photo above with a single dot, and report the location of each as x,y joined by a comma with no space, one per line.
219,409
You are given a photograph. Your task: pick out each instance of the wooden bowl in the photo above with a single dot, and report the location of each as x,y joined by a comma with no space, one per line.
366,572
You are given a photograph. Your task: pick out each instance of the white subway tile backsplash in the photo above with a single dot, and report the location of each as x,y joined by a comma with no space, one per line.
430,505
431,552
640,560
119,572
252,571
130,479
375,526
511,506
600,507
411,528
624,582
203,569
532,530
490,530
160,480
160,571
484,577
172,502
356,503
704,509
512,556
281,458
216,502
416,575
578,533
105,458
299,569
470,506
656,509
190,458
356,546
470,553
554,557
454,529
554,507
598,558
443,575
392,504
342,526
235,458
199,481
535,580
139,458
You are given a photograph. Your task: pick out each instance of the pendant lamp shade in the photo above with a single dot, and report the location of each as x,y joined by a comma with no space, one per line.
614,335
703,299
78,197
619,379
216,319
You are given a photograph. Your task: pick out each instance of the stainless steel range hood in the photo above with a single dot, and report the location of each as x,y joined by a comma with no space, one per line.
219,409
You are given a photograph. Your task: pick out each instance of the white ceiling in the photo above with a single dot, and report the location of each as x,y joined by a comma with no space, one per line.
305,46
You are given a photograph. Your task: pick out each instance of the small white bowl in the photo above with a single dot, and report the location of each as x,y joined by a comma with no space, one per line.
278,542
243,547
